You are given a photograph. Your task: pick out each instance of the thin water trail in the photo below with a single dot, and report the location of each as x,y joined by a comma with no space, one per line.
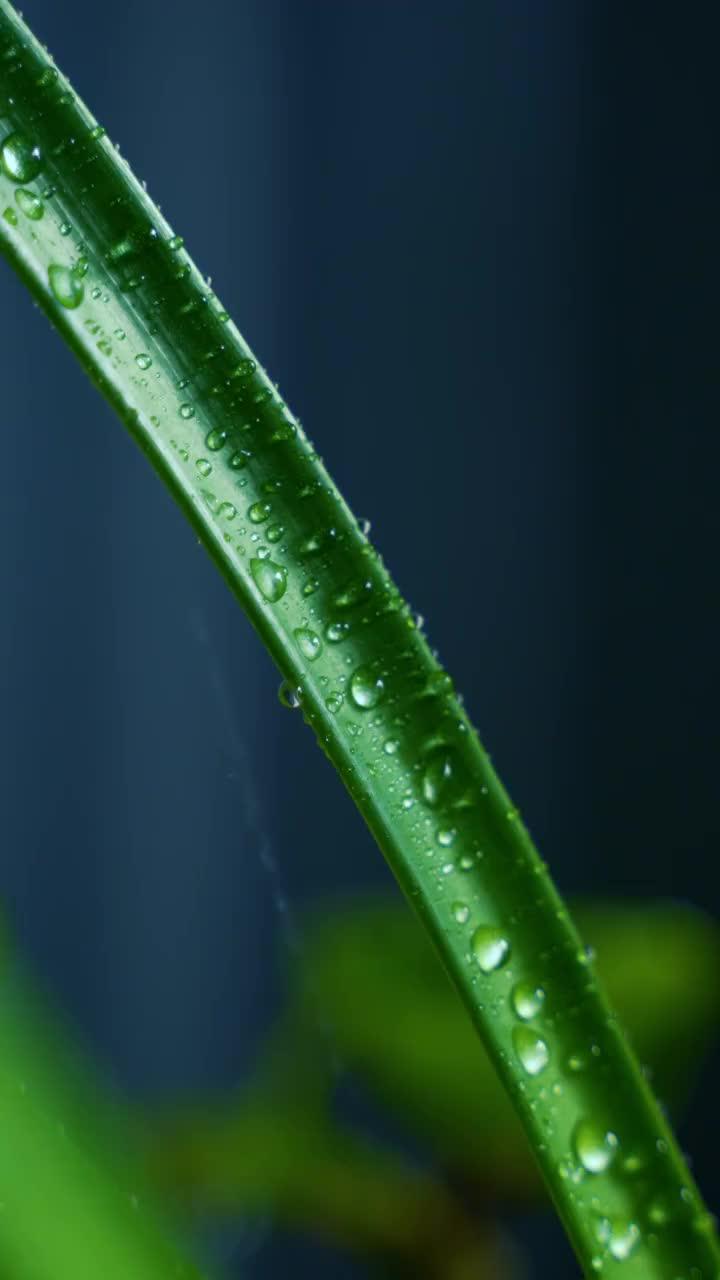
243,775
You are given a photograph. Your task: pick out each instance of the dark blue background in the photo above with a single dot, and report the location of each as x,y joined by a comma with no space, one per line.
497,219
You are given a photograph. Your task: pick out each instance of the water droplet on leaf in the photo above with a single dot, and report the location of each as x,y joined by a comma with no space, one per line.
366,689
31,205
270,578
308,642
490,948
20,159
531,1050
595,1146
527,1000
66,286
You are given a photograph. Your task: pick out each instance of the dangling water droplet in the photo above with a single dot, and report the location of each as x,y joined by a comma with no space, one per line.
187,411
595,1146
461,912
288,695
66,287
31,205
19,158
366,689
490,949
530,1049
270,578
143,360
527,1000
308,642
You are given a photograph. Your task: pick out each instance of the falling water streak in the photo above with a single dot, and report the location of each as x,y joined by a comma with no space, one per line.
290,931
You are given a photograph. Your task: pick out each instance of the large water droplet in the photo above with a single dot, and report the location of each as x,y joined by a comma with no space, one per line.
595,1146
270,578
531,1050
439,780
489,947
31,205
308,642
366,689
527,1000
66,286
259,511
20,159
215,439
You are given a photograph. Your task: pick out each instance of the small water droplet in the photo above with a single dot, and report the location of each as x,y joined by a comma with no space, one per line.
31,205
337,631
531,1049
390,746
239,458
175,243
270,578
595,1146
20,158
288,695
66,286
334,703
143,360
204,467
527,1000
274,532
490,948
65,228
97,131
366,689
187,411
461,912
445,836
308,642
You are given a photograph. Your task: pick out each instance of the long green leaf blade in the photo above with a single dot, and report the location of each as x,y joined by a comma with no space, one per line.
118,284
